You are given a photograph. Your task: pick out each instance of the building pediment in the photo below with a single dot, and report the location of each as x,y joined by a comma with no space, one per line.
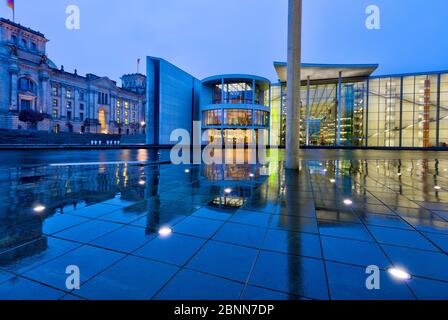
104,83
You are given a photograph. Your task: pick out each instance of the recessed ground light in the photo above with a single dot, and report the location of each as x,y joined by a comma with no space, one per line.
399,174
227,190
399,274
142,182
332,180
348,202
438,187
165,231
187,170
39,209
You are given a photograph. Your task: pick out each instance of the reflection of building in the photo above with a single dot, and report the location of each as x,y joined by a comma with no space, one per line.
68,101
343,105
234,108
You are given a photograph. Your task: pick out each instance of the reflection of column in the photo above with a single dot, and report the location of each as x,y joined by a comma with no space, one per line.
151,190
293,89
13,71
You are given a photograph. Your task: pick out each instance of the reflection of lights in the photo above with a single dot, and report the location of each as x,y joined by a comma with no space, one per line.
251,175
332,180
438,187
142,182
39,209
165,231
348,202
228,190
399,274
325,170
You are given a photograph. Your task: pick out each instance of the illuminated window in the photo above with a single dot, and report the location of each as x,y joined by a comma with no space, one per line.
68,94
55,102
55,113
212,117
126,105
118,120
126,121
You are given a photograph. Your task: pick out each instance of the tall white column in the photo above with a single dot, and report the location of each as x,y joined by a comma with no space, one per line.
293,89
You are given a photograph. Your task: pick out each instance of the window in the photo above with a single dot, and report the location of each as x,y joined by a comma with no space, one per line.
34,46
25,104
14,39
24,43
118,103
69,115
118,120
55,90
103,98
81,95
212,118
69,104
126,105
118,111
126,121
26,84
69,94
237,117
81,106
55,102
81,116
55,113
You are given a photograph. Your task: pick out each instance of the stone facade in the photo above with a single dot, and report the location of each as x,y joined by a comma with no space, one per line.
69,102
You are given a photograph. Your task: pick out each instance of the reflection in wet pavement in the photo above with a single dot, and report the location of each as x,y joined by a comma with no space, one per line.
139,230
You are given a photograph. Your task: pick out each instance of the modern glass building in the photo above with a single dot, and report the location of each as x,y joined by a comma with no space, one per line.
234,108
344,105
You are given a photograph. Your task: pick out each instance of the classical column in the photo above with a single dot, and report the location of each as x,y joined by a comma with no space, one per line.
293,89
14,72
44,77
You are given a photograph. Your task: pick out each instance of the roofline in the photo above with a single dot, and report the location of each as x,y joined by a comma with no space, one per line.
17,25
329,65
236,76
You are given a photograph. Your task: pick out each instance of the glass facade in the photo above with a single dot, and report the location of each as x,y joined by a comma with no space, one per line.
231,92
399,111
212,117
237,117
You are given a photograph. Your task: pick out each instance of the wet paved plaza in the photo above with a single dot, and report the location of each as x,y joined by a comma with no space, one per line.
139,230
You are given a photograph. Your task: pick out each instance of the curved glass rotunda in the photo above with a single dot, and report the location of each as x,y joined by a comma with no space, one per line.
235,109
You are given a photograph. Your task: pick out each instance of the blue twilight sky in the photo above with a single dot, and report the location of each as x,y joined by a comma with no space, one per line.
207,37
